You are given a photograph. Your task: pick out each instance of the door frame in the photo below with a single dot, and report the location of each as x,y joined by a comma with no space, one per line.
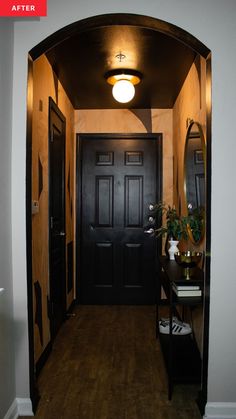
79,161
52,106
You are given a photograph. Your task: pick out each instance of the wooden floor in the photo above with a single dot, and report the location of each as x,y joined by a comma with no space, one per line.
106,364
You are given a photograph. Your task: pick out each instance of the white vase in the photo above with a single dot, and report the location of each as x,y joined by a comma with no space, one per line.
173,248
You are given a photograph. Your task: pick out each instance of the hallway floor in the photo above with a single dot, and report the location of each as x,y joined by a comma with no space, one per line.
106,364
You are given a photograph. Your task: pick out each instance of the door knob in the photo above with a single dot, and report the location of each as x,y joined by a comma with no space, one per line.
60,233
151,207
149,231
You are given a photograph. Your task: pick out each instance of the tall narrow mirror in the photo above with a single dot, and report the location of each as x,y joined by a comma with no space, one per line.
194,161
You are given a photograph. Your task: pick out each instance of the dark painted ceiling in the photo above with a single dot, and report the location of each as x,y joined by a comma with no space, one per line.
81,61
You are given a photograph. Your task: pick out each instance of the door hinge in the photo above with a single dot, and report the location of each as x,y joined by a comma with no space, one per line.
51,223
51,136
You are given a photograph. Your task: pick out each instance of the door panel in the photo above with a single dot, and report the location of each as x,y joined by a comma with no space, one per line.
133,265
103,264
57,217
133,201
121,176
104,196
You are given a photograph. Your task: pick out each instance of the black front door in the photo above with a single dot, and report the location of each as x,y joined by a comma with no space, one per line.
57,217
121,177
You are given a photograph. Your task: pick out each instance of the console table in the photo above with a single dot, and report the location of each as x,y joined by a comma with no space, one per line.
181,354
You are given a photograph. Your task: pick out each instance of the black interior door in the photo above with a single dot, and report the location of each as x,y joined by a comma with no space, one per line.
57,217
121,177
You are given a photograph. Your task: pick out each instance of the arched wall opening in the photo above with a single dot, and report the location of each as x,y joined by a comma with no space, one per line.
65,33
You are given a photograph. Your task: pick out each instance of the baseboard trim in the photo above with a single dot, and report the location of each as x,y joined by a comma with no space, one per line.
19,407
24,407
220,411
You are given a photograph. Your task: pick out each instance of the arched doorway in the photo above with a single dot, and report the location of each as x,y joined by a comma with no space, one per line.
146,29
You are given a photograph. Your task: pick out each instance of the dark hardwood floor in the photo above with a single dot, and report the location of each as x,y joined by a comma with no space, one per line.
106,364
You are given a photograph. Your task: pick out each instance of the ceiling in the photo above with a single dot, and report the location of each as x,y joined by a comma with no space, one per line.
81,61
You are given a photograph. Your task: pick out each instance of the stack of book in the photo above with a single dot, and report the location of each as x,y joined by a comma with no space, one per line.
182,289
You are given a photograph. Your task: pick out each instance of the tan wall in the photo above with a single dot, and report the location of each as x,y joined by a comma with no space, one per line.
46,85
136,121
190,105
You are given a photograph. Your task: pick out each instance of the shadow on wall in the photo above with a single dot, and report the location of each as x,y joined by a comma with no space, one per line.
145,116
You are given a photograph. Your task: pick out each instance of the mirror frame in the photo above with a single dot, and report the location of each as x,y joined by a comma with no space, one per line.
203,144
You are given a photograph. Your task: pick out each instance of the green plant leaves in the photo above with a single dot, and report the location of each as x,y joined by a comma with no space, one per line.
176,226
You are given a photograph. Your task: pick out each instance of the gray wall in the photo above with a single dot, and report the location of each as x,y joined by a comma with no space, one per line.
7,367
213,23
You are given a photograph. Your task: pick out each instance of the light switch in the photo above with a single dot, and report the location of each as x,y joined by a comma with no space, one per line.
35,207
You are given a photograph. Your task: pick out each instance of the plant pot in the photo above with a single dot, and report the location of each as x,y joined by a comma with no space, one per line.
173,249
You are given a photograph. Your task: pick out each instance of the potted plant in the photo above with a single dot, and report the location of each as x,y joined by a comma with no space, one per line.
174,227
195,221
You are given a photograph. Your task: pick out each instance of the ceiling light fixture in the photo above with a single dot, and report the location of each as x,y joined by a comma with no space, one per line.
123,82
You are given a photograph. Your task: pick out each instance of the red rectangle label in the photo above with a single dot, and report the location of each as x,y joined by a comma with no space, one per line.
26,8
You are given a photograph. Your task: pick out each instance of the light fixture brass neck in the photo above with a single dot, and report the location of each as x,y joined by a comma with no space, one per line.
113,76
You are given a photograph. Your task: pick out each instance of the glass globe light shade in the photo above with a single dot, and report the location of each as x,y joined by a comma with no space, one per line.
123,91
